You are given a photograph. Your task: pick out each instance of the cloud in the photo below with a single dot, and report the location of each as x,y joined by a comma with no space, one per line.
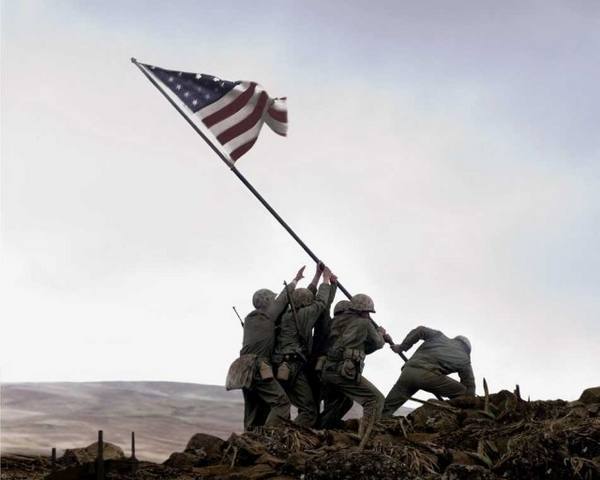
442,160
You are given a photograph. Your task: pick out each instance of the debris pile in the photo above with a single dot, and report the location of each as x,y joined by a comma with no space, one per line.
500,436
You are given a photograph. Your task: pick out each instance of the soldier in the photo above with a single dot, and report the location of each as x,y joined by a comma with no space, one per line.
353,336
437,357
293,345
265,402
333,400
319,342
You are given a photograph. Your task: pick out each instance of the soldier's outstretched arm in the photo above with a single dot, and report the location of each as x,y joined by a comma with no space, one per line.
309,315
419,333
374,340
467,379
280,303
312,286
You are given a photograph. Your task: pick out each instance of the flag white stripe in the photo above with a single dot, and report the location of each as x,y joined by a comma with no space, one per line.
276,125
223,101
279,104
239,116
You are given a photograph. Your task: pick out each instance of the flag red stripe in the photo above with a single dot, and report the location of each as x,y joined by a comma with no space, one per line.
245,124
238,152
231,108
278,115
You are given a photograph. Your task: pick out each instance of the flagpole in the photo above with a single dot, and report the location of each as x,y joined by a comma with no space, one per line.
238,174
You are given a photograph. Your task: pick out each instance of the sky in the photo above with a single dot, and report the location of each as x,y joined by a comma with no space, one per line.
442,157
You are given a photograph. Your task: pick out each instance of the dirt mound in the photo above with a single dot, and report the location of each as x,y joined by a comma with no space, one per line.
493,438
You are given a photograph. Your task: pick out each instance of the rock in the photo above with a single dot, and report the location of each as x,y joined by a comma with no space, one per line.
182,460
503,399
590,395
245,449
79,456
431,419
209,447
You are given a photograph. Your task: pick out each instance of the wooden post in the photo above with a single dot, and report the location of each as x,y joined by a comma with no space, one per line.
133,459
53,459
100,459
518,392
486,392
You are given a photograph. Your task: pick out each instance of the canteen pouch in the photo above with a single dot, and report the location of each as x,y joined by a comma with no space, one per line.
354,361
348,369
283,372
320,363
265,370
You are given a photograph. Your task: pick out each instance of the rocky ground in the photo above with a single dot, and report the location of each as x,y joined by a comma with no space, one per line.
498,437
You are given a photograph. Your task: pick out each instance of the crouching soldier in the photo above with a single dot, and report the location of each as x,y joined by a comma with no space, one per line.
353,336
293,344
265,401
437,357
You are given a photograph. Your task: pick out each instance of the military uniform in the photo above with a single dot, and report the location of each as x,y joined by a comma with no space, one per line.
320,340
352,337
292,347
265,401
437,357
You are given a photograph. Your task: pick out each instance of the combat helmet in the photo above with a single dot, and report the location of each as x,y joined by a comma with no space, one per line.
301,297
342,306
362,303
262,298
465,341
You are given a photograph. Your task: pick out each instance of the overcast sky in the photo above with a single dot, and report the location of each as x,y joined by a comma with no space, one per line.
443,157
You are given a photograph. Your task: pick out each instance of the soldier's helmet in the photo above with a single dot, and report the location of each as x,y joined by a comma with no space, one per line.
262,298
465,341
302,297
342,306
362,303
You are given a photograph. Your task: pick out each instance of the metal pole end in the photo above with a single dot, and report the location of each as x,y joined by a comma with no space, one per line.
133,60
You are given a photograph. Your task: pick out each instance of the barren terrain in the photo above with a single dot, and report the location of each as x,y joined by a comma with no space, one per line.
164,415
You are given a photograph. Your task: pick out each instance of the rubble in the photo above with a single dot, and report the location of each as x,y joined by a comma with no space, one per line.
498,437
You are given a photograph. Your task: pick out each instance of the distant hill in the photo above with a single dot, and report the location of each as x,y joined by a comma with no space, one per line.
38,416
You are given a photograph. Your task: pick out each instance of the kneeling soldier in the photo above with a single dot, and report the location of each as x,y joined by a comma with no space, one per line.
437,357
353,336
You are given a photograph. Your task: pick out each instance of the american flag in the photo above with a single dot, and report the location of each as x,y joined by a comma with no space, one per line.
234,112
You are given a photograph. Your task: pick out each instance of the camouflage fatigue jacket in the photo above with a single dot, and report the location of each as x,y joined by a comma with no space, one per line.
351,331
440,354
